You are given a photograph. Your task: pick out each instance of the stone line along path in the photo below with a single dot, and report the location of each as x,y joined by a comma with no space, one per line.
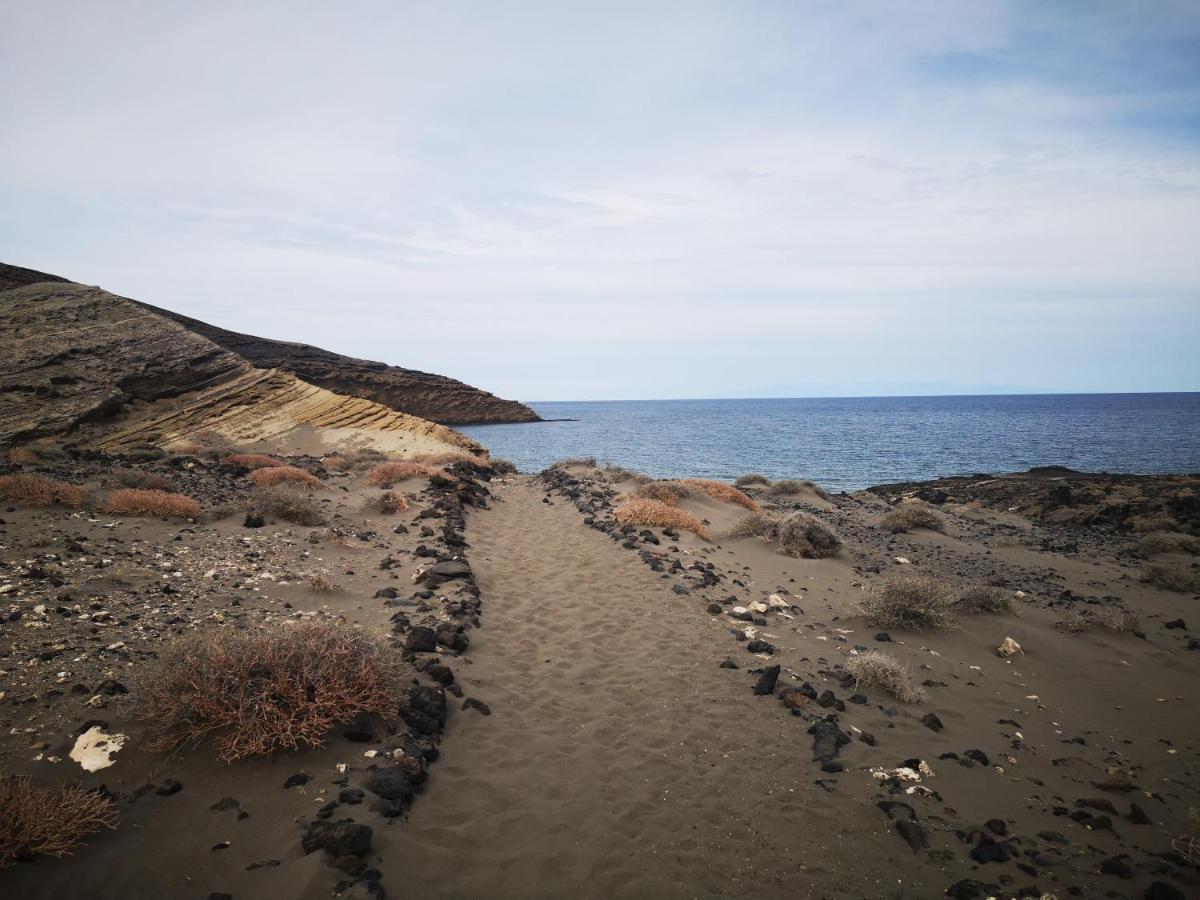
618,760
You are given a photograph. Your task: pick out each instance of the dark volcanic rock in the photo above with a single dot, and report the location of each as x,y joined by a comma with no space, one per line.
766,681
338,838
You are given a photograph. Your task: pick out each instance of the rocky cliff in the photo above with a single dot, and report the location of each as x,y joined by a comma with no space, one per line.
433,397
78,361
422,394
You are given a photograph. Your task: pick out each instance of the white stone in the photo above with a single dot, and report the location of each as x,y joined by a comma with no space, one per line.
94,749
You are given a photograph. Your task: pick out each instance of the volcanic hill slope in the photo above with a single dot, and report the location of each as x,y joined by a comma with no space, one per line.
79,361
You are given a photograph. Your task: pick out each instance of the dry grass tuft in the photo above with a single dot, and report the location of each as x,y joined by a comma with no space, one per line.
37,490
1158,522
503,466
913,514
273,475
615,474
387,474
267,689
882,670
354,460
288,503
32,454
252,461
644,511
35,821
1088,618
587,461
752,479
134,478
1174,576
669,492
322,583
718,490
911,603
390,502
450,457
984,598
789,486
799,534
135,502
1167,542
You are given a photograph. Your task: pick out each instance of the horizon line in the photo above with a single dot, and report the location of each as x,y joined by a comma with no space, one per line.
873,396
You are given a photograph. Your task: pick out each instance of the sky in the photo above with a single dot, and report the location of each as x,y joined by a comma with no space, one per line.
632,200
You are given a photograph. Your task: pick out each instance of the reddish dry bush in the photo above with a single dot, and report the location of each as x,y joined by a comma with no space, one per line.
263,690
725,493
37,490
387,474
662,515
39,822
272,475
251,460
135,502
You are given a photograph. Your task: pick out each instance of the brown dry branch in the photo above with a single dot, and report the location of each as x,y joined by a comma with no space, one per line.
36,821
268,689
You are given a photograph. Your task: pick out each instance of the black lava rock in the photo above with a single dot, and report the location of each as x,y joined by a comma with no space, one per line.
765,686
338,838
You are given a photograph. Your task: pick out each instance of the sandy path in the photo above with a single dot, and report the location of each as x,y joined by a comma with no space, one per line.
618,760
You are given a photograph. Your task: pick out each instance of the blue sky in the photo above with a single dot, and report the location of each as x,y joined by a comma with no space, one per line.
632,200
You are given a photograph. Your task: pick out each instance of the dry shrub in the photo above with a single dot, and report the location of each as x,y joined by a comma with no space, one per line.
1174,576
136,502
669,492
354,460
588,461
1157,522
391,502
910,515
288,503
149,481
1165,542
984,598
911,603
37,490
272,475
387,474
718,490
882,670
322,582
617,474
251,461
788,486
503,467
656,513
798,535
36,821
449,457
266,689
1115,619
752,479
22,456
32,454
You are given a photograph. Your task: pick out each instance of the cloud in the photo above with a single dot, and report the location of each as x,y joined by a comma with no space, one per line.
618,199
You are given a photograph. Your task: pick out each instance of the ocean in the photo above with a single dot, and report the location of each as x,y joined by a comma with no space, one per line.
852,443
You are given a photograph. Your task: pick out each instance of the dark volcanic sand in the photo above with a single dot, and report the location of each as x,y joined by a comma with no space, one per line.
619,758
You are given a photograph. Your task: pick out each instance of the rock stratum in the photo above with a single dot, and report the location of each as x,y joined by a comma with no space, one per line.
433,397
78,361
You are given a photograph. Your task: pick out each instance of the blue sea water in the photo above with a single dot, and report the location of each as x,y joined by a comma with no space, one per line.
852,443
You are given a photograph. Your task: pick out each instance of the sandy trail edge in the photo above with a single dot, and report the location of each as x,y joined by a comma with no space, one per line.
614,763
